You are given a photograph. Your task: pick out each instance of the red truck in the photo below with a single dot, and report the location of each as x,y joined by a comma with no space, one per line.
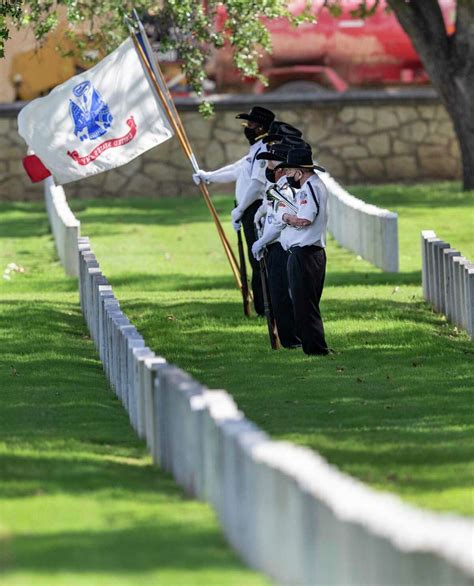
331,53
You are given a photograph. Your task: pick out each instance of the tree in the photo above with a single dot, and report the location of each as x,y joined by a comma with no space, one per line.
449,62
448,59
10,10
189,27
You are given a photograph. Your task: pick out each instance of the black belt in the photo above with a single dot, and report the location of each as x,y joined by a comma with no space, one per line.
296,247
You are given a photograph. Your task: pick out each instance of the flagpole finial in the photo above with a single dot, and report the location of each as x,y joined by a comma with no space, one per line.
129,23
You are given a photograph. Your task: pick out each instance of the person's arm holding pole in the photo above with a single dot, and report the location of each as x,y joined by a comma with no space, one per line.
168,102
179,130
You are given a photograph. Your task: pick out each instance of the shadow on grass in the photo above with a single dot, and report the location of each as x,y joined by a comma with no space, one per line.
432,195
63,433
346,278
225,313
24,207
379,405
34,474
24,227
52,383
145,545
397,396
168,212
171,282
45,283
186,282
134,541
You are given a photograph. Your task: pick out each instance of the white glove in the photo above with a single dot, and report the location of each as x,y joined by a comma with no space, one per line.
257,249
201,176
237,214
262,211
236,225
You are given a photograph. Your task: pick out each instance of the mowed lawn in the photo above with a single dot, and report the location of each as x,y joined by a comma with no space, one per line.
393,407
80,502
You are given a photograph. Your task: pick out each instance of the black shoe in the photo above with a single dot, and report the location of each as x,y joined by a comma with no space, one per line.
323,353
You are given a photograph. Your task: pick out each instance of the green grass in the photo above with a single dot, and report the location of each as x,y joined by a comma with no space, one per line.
393,407
80,502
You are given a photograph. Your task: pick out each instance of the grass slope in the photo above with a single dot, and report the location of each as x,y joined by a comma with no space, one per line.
393,408
79,500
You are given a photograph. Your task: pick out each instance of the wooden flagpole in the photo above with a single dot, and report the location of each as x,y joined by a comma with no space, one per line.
175,120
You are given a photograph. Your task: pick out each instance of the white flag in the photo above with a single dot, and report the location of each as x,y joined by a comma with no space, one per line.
96,121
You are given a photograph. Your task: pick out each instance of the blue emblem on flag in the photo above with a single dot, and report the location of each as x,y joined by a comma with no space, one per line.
89,112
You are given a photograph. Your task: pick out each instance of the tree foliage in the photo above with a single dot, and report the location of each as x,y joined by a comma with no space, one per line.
187,26
8,11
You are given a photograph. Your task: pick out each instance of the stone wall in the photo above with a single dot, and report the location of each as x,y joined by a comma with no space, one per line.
359,137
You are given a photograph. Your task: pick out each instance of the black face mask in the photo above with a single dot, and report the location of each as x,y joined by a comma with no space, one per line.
251,134
270,175
293,183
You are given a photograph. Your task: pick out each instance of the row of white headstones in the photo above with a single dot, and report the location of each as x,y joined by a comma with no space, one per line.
448,281
367,230
282,507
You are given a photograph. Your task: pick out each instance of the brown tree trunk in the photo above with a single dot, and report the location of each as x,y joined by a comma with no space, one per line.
466,142
459,103
449,62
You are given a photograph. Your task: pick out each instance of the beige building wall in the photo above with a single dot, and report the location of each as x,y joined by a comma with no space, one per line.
39,65
21,41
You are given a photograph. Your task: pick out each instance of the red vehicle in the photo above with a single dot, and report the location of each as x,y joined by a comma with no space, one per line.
333,53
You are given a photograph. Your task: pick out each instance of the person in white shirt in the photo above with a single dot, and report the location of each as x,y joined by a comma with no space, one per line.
249,176
287,138
306,243
270,241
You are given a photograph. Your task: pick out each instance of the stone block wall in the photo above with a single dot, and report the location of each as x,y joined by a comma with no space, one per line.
360,137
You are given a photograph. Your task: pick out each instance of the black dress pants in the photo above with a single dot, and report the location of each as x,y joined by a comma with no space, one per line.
250,237
277,260
306,272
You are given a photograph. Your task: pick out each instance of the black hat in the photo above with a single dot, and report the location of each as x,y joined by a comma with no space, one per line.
278,152
295,142
260,115
279,129
300,159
